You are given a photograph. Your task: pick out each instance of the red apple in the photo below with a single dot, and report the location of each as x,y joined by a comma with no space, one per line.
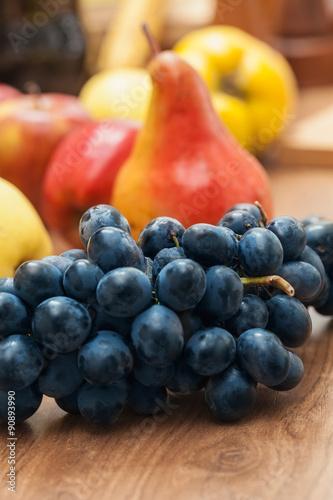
30,128
82,171
7,92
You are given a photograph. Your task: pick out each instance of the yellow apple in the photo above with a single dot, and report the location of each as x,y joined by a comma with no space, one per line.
252,86
22,234
117,93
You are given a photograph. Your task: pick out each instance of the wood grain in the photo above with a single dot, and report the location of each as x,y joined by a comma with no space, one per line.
283,450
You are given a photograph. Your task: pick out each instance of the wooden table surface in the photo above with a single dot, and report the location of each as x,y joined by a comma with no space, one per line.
282,451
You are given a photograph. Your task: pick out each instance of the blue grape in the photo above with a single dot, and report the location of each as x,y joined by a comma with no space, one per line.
262,355
15,317
81,279
320,239
184,379
252,313
61,323
104,358
101,320
294,376
111,248
210,351
289,320
181,284
312,219
61,376
27,402
239,221
303,277
36,281
21,362
157,336
191,323
102,404
152,375
75,254
291,234
248,207
231,395
164,257
223,296
147,400
7,285
101,216
210,245
260,252
69,403
159,233
326,307
61,263
124,292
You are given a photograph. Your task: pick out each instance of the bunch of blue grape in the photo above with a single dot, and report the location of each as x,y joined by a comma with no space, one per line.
217,309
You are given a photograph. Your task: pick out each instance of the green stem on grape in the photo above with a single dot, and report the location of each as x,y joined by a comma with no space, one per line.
274,280
175,239
263,214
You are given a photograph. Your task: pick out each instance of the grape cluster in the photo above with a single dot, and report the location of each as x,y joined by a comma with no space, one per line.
125,322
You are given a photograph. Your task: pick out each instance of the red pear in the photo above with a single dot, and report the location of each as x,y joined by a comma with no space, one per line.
185,163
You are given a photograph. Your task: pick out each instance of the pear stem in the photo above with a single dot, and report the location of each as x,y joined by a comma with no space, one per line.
274,280
154,45
263,214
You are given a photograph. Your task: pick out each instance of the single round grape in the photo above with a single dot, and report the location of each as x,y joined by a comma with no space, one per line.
102,404
75,254
260,252
104,358
15,317
239,221
21,362
61,323
311,257
164,257
223,296
36,281
289,320
326,308
184,379
157,336
61,376
210,245
111,248
101,320
27,401
147,400
262,355
303,277
312,219
210,351
101,216
248,207
251,314
61,263
320,239
69,403
181,284
231,395
81,279
291,234
294,376
152,375
124,292
160,233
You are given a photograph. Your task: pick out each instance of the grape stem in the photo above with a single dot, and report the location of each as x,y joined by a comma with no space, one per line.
174,237
274,280
263,214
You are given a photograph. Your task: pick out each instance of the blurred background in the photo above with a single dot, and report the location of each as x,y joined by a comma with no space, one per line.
57,43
